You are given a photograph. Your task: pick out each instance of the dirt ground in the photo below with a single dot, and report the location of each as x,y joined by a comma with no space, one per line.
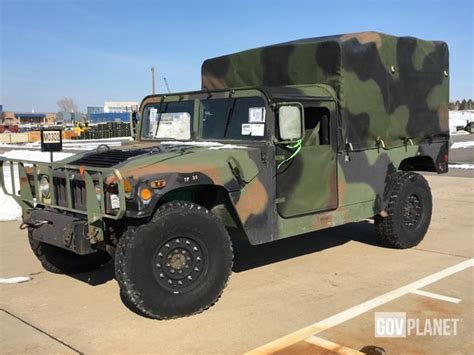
316,293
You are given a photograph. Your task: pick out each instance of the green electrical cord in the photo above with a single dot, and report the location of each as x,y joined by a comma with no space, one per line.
297,147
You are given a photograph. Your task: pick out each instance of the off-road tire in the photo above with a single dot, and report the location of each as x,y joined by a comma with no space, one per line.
145,277
62,261
408,211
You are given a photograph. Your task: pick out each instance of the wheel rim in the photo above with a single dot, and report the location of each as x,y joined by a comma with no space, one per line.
412,211
179,264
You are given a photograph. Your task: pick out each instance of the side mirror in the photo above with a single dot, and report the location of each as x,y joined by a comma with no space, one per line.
290,121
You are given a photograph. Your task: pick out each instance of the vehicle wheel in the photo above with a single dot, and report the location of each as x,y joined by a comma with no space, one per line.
408,211
177,264
62,261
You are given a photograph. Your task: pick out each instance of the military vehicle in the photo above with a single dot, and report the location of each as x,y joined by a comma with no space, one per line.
280,141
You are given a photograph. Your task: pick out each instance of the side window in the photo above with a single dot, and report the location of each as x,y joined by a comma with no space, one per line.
316,123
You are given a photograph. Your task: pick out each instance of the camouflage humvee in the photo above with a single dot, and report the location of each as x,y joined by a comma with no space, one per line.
280,141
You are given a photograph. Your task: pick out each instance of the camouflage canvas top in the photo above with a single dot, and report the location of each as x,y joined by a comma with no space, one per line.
391,90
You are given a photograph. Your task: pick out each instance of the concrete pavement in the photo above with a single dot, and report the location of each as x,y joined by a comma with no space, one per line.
276,289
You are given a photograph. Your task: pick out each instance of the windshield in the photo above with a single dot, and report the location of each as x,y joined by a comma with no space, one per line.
241,118
170,120
234,118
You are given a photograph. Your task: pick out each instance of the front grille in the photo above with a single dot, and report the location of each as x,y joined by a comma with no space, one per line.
78,190
108,158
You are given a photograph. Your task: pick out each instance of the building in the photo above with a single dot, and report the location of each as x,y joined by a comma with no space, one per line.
120,106
68,117
95,109
31,118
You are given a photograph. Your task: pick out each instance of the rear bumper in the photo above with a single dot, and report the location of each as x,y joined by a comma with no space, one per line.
61,230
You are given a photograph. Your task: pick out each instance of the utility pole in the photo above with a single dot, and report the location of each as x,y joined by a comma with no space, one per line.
153,80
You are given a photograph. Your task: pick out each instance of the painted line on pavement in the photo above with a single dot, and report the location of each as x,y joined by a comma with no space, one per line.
436,296
329,345
355,311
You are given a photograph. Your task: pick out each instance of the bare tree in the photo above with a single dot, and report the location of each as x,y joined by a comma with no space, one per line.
66,104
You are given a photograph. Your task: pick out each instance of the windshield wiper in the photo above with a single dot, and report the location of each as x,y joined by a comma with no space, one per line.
227,117
158,118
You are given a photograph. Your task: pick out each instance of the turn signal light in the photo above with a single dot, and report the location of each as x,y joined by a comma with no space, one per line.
146,194
127,186
158,184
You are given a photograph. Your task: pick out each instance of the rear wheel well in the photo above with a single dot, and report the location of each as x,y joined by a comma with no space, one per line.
419,163
213,197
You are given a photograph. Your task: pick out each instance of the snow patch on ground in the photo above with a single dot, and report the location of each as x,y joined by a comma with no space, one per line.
461,166
460,145
9,209
459,118
14,280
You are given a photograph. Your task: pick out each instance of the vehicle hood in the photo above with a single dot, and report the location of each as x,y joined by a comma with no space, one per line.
142,160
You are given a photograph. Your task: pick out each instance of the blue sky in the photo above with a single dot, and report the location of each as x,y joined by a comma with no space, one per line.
97,50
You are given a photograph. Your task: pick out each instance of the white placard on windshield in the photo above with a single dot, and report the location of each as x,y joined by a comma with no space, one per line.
153,114
256,114
258,129
174,126
246,129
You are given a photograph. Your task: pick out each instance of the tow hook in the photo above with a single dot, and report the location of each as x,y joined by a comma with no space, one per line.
35,224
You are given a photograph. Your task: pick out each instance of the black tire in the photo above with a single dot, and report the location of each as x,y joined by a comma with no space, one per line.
409,211
62,261
153,262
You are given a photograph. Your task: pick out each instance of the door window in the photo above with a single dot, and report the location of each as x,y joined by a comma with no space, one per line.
316,123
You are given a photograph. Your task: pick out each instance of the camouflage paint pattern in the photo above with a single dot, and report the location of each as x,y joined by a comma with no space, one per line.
388,88
378,123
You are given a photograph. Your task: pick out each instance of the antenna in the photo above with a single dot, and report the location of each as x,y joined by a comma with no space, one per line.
166,83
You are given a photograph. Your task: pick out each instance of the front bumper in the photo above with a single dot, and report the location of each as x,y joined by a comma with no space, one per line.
61,230
83,191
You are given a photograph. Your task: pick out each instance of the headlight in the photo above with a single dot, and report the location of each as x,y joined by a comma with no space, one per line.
44,186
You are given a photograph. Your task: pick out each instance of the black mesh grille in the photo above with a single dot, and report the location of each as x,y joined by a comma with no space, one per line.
109,158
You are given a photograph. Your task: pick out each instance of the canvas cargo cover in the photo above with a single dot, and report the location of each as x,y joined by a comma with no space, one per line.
390,90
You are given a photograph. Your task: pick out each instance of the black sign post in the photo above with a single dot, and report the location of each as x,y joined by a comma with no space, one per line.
51,141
